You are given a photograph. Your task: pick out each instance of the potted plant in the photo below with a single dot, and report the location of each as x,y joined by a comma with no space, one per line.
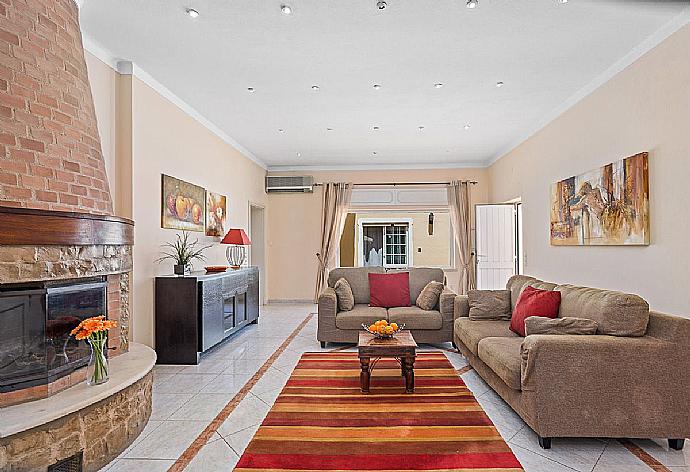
183,252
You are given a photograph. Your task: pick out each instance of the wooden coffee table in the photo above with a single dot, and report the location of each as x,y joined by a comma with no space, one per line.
402,348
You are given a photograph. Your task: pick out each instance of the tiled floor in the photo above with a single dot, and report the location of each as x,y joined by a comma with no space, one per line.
187,398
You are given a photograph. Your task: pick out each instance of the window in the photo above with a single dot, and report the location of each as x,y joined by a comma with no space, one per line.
385,244
397,239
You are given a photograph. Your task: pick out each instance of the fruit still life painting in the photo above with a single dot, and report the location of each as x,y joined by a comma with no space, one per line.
183,205
216,212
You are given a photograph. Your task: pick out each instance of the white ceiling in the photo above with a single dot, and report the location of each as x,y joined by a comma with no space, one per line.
548,54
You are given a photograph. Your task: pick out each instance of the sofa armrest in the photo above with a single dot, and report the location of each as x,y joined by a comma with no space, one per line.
446,305
620,386
462,307
328,303
328,308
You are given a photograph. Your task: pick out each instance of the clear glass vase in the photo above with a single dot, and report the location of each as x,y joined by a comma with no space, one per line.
97,370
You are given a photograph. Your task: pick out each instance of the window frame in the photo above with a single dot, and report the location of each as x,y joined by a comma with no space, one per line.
361,222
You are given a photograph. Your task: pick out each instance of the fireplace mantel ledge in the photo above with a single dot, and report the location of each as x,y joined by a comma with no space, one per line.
125,370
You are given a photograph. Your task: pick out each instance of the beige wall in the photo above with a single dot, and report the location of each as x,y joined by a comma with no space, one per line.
112,100
645,108
164,140
103,81
167,140
294,234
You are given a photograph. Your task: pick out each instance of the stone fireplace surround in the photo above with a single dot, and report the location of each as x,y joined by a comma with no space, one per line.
42,425
85,246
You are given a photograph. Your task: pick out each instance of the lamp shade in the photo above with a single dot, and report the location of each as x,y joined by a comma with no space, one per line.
236,236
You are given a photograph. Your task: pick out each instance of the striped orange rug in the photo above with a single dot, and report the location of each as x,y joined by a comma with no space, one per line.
321,421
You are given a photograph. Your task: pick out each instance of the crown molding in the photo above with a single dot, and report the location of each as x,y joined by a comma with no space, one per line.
417,166
620,65
127,67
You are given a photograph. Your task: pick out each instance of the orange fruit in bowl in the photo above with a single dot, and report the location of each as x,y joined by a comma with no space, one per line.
378,323
384,323
394,326
373,328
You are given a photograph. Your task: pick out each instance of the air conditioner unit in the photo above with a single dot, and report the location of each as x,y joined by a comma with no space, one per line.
289,184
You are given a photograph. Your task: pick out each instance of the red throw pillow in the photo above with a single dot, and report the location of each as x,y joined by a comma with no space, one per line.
389,290
534,302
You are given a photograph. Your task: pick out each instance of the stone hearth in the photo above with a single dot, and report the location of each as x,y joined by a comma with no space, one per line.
99,422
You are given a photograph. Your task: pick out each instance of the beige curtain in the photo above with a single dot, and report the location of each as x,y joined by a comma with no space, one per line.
335,202
459,206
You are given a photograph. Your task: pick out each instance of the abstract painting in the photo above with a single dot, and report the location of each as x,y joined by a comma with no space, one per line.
216,212
182,205
608,206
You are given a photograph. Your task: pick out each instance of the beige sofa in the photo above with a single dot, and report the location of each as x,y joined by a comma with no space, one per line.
634,384
435,326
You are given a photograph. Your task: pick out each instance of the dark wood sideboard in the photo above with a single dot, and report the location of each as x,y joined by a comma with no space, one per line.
197,311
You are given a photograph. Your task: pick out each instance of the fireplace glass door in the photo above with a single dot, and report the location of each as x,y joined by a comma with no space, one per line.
35,324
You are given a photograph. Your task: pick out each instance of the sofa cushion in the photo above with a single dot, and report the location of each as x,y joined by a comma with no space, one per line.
343,291
471,332
567,325
361,313
428,298
390,290
419,277
517,283
357,277
502,355
534,302
489,304
617,313
416,318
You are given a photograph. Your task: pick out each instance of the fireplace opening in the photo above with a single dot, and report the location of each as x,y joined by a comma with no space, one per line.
35,323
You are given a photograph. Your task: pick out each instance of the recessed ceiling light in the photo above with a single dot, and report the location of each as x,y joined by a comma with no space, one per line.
281,130
376,128
562,1
192,13
438,85
381,5
299,154
286,9
472,3
315,88
374,153
467,126
250,89
420,128
377,86
329,129
499,84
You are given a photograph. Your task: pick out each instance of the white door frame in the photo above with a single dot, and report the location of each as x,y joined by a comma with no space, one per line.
262,269
516,237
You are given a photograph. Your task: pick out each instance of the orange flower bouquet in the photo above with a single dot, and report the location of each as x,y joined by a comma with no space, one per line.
95,331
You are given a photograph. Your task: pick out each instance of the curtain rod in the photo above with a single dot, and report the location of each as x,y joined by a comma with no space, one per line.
399,184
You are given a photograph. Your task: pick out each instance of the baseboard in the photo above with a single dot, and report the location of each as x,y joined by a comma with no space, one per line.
286,301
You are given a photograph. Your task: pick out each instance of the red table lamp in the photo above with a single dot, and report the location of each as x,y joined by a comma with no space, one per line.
237,241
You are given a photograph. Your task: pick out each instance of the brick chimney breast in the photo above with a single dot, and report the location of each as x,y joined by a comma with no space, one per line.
50,150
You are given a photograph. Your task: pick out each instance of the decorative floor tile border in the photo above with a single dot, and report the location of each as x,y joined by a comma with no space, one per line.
644,456
188,455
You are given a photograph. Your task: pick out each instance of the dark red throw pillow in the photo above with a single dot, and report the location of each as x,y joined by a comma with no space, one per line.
534,302
389,290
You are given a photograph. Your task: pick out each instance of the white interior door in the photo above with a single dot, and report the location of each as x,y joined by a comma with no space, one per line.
496,245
